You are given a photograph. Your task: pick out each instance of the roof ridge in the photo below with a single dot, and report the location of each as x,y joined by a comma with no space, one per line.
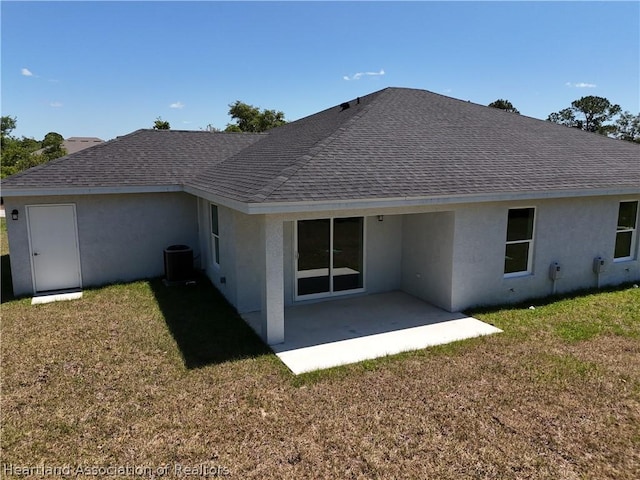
203,132
291,170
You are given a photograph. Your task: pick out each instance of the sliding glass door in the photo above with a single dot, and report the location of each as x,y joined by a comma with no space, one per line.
347,254
314,244
330,256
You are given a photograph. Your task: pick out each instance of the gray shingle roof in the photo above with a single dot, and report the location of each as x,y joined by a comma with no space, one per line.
394,143
141,158
412,143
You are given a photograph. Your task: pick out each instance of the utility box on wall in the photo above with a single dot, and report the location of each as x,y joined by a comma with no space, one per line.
555,271
599,265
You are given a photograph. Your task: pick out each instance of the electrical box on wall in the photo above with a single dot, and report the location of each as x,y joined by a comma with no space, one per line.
555,271
599,265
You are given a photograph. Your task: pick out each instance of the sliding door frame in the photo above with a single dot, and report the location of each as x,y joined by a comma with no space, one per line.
331,292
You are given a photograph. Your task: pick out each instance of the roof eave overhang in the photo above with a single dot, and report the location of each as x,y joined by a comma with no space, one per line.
435,200
267,208
218,199
60,191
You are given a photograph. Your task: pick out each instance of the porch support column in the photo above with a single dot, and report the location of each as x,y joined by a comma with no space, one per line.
273,285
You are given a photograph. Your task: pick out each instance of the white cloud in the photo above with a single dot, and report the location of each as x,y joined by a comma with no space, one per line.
359,75
581,85
177,105
55,104
26,72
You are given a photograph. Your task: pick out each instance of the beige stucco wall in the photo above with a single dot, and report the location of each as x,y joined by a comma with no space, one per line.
239,275
569,231
383,254
427,256
241,261
121,237
451,256
384,243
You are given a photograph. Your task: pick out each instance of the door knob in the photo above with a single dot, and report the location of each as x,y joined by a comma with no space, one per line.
36,254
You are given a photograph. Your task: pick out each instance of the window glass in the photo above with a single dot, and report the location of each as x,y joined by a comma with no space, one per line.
216,249
215,238
347,253
214,219
623,244
520,226
516,257
330,255
314,240
519,240
627,215
626,231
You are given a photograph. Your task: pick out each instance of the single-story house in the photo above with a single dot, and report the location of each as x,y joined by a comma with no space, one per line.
452,202
75,144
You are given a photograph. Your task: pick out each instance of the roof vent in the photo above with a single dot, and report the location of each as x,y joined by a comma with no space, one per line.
358,100
344,106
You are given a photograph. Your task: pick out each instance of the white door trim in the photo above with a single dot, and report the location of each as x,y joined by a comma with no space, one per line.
75,237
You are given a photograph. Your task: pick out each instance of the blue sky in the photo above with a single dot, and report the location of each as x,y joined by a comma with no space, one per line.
107,68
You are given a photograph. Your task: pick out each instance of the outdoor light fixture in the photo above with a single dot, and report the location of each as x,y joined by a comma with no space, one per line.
380,218
14,214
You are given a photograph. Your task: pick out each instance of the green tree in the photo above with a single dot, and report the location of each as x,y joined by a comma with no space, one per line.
251,119
19,154
7,125
210,128
588,113
160,124
53,146
628,127
565,117
504,105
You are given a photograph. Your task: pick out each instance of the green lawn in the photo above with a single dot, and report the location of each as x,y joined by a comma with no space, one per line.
142,375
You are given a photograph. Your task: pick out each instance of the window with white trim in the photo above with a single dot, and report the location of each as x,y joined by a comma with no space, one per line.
519,244
215,235
626,231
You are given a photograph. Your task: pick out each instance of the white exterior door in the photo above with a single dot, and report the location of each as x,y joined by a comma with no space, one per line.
53,244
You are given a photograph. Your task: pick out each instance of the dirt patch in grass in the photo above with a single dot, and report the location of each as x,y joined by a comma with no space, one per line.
118,379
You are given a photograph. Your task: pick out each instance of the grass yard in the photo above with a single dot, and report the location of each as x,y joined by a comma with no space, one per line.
140,376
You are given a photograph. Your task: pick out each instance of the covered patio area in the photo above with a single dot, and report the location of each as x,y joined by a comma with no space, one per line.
328,334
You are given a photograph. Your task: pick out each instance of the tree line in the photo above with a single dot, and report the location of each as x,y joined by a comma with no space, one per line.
591,114
245,118
17,154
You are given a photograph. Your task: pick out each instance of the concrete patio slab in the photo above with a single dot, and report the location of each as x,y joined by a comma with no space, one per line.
328,334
